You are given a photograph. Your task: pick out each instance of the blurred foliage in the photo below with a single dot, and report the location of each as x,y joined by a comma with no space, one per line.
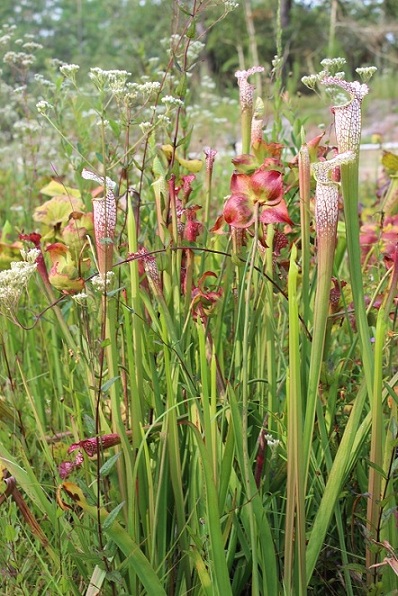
127,33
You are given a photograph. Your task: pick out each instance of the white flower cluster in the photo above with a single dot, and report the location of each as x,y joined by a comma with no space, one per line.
169,100
30,256
80,298
163,120
109,80
194,49
43,106
332,65
19,91
14,280
145,88
69,70
271,442
39,78
5,39
207,82
100,283
26,126
32,46
19,59
366,72
230,5
277,62
310,81
146,127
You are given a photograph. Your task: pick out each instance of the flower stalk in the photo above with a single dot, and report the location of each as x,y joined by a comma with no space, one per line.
326,216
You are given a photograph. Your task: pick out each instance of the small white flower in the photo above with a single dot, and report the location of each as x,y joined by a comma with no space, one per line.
43,81
230,5
31,45
146,127
310,81
43,106
331,65
194,49
5,39
172,101
164,120
271,441
100,122
80,298
276,62
30,255
366,72
69,70
101,284
12,282
19,58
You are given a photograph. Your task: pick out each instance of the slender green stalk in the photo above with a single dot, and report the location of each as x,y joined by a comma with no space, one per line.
246,94
273,403
349,185
378,434
305,220
326,215
295,512
246,355
377,438
343,462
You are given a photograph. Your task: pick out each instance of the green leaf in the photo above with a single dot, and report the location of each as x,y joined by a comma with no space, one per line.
115,127
108,384
112,517
108,465
89,423
191,30
390,161
55,188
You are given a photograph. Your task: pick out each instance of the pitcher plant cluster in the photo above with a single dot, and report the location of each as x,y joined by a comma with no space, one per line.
189,387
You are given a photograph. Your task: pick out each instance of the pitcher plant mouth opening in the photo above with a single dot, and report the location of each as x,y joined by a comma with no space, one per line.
348,119
327,192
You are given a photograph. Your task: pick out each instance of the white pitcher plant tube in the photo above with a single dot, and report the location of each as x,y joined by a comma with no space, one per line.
104,211
327,194
347,117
